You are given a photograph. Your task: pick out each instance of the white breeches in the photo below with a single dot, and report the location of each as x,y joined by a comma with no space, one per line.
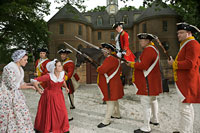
112,110
150,107
187,117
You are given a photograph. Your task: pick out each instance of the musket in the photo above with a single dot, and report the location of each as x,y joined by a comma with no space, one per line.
160,44
96,47
90,44
86,56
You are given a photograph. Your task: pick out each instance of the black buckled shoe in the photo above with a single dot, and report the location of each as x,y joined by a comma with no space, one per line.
70,119
140,131
116,117
154,123
72,107
102,125
176,132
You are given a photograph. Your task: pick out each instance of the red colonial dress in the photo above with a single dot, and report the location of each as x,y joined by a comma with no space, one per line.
52,113
123,42
186,71
113,90
40,67
151,84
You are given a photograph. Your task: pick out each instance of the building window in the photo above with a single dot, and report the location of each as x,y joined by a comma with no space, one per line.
125,19
99,35
164,25
61,28
144,28
112,20
80,30
99,21
112,36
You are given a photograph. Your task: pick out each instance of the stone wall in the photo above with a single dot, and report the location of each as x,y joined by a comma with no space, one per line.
81,71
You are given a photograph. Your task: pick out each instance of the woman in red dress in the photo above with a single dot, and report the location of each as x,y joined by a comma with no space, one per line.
52,113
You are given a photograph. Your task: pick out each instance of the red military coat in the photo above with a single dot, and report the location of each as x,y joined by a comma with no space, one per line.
108,67
68,66
129,56
186,70
147,58
40,67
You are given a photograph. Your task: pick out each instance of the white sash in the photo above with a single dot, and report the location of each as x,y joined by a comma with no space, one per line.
146,72
108,78
185,44
67,62
39,63
74,82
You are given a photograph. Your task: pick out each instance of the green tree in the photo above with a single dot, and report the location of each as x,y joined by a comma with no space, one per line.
22,25
188,10
98,9
128,8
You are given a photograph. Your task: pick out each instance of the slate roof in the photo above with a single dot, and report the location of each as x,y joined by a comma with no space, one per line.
68,12
155,11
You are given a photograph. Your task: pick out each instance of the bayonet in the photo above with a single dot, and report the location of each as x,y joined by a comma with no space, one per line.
96,47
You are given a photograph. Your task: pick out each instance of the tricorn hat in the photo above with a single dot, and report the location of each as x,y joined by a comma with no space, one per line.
117,24
108,45
67,51
146,36
43,50
188,27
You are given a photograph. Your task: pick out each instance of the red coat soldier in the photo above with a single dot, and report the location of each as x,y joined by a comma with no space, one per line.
110,84
147,81
122,43
40,65
186,74
69,66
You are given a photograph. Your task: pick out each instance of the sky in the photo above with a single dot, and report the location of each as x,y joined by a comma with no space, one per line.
91,4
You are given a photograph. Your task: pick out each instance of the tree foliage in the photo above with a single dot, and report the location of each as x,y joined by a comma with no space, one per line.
128,8
131,8
98,9
188,10
22,25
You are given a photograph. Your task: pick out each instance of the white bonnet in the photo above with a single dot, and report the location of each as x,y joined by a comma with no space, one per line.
18,55
51,66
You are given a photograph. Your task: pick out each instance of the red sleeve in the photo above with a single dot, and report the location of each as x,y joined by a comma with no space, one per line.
106,66
125,41
44,66
36,63
147,58
191,57
43,78
69,68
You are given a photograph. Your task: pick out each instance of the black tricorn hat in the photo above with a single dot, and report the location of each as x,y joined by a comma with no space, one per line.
43,50
146,36
117,24
67,51
108,45
188,27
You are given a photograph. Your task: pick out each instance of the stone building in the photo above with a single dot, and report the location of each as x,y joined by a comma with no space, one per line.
96,27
